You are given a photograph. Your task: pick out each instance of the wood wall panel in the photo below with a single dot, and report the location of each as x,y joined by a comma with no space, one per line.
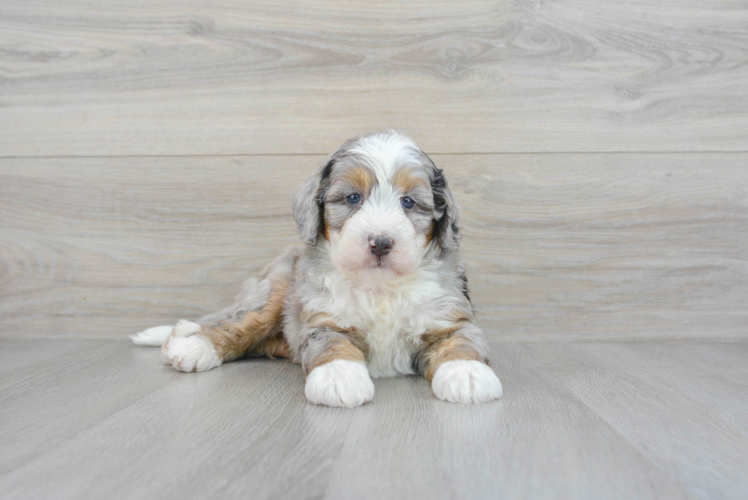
172,77
560,246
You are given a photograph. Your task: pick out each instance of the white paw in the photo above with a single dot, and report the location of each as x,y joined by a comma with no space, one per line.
466,382
183,328
191,354
340,383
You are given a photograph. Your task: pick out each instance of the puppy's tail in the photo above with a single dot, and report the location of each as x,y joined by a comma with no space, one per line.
154,337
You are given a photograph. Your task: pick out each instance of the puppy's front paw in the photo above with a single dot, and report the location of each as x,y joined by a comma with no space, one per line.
464,381
340,383
191,354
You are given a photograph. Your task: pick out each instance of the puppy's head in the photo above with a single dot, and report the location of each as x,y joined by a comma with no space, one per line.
382,205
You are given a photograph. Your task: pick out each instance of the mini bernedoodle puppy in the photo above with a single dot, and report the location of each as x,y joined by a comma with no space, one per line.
378,290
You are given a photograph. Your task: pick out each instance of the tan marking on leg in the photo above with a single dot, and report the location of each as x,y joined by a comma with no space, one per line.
433,336
238,339
324,320
451,348
337,349
356,337
275,347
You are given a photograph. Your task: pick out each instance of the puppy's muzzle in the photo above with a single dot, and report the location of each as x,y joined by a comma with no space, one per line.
380,245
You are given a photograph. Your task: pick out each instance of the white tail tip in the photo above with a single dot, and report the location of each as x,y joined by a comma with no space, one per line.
154,337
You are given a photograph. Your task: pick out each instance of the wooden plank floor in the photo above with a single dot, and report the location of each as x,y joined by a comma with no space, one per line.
105,419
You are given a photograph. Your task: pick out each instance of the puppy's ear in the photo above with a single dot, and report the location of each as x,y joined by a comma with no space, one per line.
446,213
309,203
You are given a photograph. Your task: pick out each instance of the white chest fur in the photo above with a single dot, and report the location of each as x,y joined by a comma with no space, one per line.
392,316
391,337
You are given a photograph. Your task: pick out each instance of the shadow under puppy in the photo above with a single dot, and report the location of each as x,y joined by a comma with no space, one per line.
379,289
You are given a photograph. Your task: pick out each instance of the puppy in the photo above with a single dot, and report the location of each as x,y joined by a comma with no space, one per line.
378,290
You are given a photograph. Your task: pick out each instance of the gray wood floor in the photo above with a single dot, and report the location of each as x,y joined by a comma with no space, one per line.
104,419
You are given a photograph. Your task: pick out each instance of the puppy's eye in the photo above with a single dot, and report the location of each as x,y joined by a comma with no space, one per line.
407,202
353,199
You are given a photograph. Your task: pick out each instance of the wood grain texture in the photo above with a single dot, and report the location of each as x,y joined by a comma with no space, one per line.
539,441
562,246
242,431
238,77
690,421
21,354
68,394
728,360
586,420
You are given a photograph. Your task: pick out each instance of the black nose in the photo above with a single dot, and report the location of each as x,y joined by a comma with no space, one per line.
381,245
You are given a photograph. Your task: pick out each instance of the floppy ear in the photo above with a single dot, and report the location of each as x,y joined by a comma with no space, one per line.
446,213
308,203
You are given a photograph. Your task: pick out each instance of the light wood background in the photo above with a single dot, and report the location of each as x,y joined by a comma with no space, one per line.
599,151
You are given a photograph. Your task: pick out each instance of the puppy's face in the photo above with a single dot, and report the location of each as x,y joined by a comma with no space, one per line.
381,204
377,213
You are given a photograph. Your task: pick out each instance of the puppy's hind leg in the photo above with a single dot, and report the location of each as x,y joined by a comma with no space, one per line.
251,327
187,352
166,334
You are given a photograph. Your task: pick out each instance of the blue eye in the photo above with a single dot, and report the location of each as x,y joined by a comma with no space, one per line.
407,202
353,199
